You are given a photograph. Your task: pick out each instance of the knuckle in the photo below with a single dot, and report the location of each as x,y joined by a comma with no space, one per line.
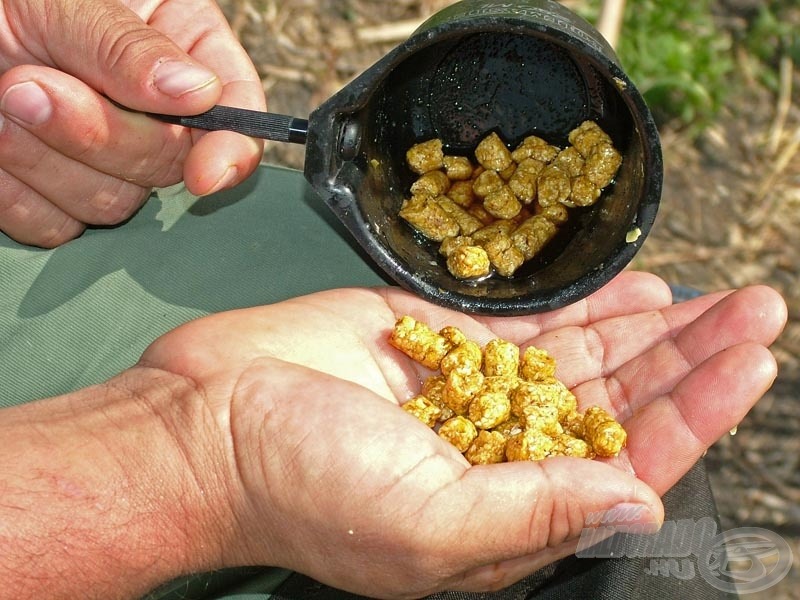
129,46
115,203
12,204
155,161
59,233
7,139
84,147
163,168
21,220
152,160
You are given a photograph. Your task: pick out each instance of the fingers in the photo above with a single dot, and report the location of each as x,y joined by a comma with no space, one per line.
47,198
210,41
31,219
669,435
628,293
49,193
93,161
70,119
219,159
681,395
590,353
108,46
755,314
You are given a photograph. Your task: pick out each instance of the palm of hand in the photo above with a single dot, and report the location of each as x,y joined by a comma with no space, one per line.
343,486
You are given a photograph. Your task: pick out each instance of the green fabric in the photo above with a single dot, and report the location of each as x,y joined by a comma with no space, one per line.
76,315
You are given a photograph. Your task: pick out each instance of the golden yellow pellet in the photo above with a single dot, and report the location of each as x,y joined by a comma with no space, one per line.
537,365
453,197
425,156
433,390
536,148
458,168
495,403
568,445
425,410
488,448
467,223
501,358
489,408
492,153
524,185
502,203
466,357
460,388
459,431
486,183
529,444
602,432
533,235
461,193
419,342
469,262
505,257
427,216
453,335
432,183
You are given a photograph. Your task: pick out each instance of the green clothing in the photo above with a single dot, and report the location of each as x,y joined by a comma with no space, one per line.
79,314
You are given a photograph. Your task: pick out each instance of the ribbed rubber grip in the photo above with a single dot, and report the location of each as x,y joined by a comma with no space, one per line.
252,123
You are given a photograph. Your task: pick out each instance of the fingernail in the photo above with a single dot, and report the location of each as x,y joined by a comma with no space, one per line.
227,180
598,535
631,515
27,103
176,78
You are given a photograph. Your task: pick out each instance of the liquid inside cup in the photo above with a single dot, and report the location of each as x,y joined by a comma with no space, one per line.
462,83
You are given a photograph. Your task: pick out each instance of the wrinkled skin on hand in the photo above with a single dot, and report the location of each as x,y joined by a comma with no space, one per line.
325,475
69,156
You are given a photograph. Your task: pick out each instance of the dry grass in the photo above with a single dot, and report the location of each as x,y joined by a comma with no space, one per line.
305,50
730,214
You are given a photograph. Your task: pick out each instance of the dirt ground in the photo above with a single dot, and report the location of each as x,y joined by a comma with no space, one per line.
730,212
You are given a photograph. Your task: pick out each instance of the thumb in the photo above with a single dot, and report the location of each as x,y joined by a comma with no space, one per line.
110,48
518,509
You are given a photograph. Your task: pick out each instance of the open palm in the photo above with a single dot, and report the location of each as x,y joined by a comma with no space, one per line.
329,478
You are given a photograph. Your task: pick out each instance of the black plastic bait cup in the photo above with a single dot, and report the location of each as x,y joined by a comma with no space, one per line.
530,67
516,68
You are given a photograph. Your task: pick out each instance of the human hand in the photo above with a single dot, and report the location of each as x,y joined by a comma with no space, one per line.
68,155
323,473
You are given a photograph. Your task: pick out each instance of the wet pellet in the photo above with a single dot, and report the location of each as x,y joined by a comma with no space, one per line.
425,156
469,262
455,197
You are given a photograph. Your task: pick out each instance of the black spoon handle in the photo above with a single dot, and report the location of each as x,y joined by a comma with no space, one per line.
253,123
